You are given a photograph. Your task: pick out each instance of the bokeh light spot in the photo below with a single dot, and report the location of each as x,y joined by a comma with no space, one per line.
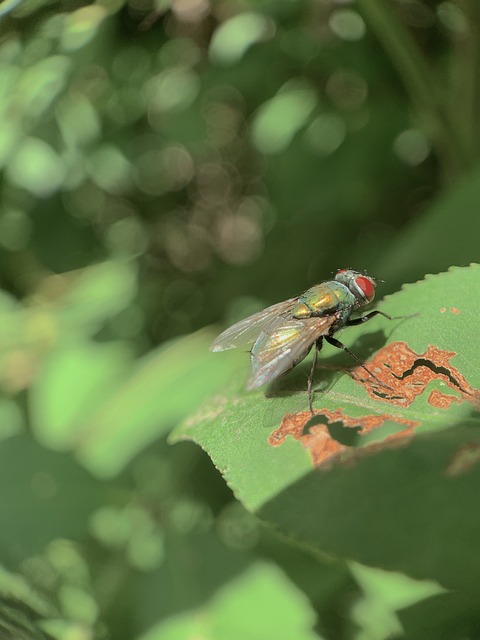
347,24
109,168
78,121
411,146
179,52
127,237
346,89
172,90
235,36
452,17
190,10
40,84
160,171
36,167
326,133
81,26
278,120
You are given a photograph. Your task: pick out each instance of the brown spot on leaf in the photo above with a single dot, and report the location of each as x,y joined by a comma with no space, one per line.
443,309
318,440
406,375
402,375
464,459
454,310
441,400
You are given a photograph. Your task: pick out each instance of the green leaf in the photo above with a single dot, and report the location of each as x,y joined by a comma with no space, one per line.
63,311
262,603
420,479
384,593
74,381
162,389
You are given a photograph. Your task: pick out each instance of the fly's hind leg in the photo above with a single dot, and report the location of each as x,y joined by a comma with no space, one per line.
318,346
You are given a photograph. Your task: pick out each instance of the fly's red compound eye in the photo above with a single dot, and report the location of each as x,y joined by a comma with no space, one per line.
341,271
366,286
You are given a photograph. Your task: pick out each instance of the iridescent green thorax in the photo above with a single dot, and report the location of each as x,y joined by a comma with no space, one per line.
324,299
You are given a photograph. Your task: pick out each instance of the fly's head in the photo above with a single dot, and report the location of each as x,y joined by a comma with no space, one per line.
361,285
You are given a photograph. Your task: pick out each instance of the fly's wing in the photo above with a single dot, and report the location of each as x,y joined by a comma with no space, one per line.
247,331
283,345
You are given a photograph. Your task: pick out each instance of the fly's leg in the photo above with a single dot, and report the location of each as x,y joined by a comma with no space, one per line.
336,343
310,380
372,314
318,346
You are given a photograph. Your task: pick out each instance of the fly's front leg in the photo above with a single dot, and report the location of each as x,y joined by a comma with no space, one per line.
372,314
367,317
318,346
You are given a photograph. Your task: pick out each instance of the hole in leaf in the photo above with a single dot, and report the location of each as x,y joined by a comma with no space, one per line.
348,436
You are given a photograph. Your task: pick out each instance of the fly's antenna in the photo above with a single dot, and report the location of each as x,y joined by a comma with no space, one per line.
373,277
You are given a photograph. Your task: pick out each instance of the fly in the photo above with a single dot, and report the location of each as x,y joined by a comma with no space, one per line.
282,335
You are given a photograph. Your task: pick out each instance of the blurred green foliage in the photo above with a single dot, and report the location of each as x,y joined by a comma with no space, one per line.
167,164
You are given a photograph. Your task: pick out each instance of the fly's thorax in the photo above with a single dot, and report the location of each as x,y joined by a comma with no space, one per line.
327,298
301,311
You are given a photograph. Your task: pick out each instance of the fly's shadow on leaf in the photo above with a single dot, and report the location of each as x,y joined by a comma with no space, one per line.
363,347
328,370
295,381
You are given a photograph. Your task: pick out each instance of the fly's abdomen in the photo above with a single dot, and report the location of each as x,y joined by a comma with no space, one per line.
277,352
323,299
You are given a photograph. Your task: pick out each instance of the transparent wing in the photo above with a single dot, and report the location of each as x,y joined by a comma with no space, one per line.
247,331
286,343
